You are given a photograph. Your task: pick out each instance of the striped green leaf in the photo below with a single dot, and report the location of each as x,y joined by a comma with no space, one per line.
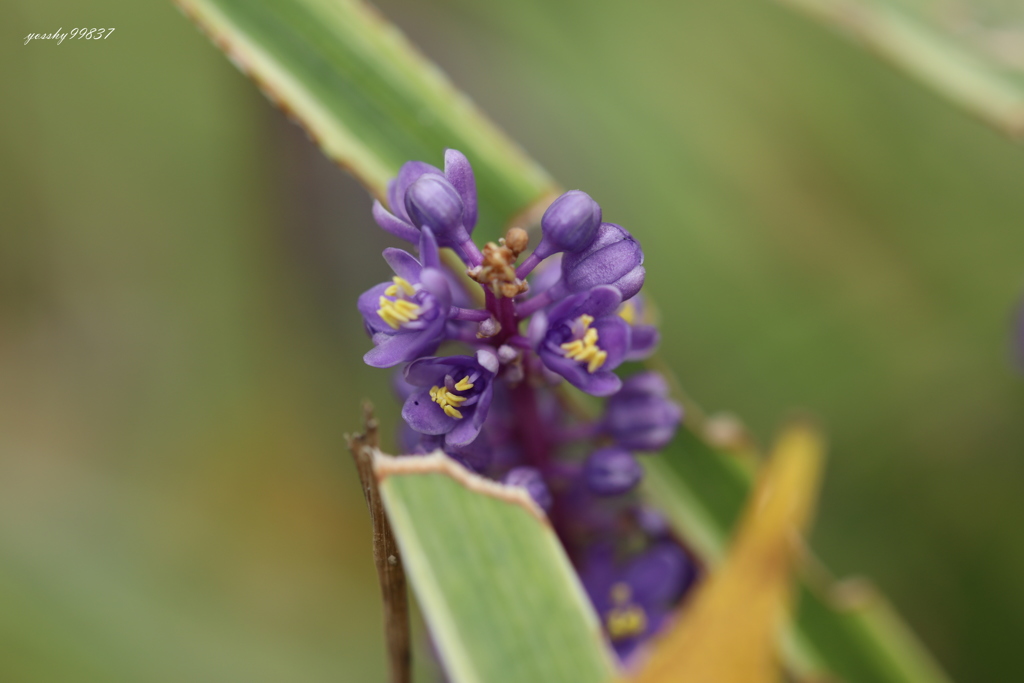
366,97
971,54
501,599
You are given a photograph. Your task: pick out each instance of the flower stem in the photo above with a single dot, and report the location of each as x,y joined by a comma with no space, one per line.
471,314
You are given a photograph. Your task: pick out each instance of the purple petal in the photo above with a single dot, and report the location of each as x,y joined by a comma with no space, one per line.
459,173
425,416
647,383
631,283
404,264
436,283
402,347
429,254
427,372
396,226
537,328
613,337
596,302
464,432
643,340
368,303
600,383
660,575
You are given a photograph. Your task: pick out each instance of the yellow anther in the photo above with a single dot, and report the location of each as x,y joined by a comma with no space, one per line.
628,312
586,349
396,312
400,284
448,401
464,384
625,619
624,622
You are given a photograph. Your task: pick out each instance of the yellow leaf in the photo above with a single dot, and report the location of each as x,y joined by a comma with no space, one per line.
729,631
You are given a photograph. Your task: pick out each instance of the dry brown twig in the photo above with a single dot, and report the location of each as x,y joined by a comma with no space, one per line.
386,556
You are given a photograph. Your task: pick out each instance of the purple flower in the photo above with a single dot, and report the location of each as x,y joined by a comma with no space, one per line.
643,338
406,317
611,471
421,195
454,397
583,340
634,599
531,480
613,258
641,416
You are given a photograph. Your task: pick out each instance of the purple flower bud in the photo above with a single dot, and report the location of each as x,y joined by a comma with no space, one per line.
432,201
611,471
531,480
641,416
454,396
422,195
571,222
613,258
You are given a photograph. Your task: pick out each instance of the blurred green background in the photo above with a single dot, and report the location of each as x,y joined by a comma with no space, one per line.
180,352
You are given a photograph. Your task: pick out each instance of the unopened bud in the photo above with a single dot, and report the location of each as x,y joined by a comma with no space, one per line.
571,222
611,471
613,258
432,201
517,240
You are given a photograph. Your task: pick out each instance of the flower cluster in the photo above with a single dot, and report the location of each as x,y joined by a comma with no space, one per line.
500,401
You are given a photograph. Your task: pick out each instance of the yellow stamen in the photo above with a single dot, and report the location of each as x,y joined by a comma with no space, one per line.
450,402
396,312
628,312
400,284
625,619
586,349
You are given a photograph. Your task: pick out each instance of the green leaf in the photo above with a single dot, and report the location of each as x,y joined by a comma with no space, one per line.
703,489
971,56
366,97
502,600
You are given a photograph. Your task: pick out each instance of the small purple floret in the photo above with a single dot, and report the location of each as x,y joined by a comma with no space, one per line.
635,599
612,471
426,415
553,332
530,479
430,301
641,416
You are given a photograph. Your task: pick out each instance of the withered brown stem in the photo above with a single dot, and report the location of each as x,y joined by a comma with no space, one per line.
386,556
